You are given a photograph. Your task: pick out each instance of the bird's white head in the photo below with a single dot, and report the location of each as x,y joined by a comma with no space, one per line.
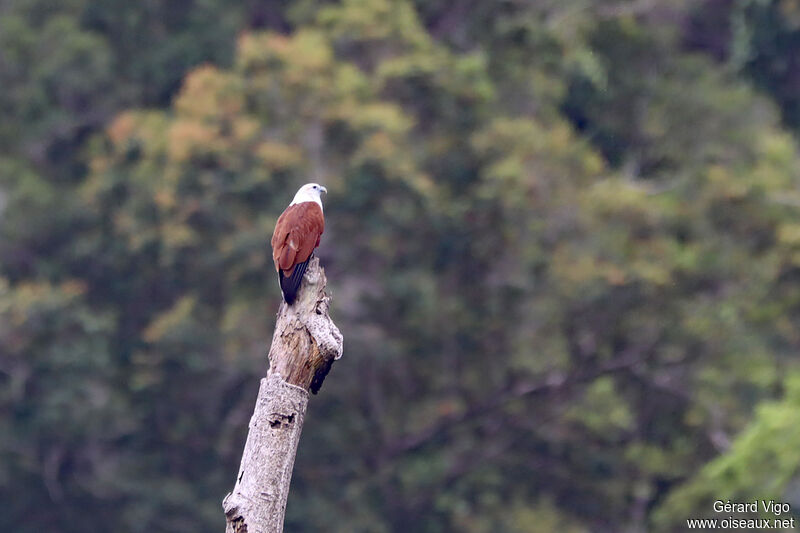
310,192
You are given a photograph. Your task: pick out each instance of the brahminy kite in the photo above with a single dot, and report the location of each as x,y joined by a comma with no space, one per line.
297,233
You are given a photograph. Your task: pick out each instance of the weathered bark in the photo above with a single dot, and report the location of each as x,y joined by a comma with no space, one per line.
304,346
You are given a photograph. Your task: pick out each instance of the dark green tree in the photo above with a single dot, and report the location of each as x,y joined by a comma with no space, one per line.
562,246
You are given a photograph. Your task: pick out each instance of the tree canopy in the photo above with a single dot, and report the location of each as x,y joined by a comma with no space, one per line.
563,242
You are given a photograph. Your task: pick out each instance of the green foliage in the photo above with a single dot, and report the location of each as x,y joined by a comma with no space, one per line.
563,251
765,43
757,38
761,464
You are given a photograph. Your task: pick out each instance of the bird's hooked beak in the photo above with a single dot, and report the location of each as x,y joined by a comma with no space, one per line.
323,189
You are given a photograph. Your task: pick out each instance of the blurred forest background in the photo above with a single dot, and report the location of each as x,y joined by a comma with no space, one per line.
563,244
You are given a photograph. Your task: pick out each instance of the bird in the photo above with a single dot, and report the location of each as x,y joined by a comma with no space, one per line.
296,235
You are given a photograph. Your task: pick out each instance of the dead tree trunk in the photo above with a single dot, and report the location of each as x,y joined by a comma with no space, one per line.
304,346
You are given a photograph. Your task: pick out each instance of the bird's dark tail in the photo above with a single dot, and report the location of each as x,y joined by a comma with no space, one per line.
290,285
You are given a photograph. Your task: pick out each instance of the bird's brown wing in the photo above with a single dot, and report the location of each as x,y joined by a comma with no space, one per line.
297,233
